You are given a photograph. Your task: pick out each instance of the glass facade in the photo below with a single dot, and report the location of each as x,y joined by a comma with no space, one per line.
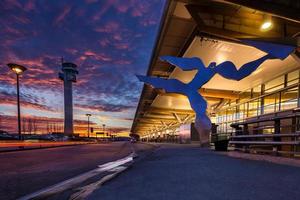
279,94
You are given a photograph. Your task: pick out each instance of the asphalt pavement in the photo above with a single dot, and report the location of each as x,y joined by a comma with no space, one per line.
24,172
184,172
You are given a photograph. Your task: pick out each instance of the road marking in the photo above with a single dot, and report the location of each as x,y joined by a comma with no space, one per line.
111,165
67,184
85,191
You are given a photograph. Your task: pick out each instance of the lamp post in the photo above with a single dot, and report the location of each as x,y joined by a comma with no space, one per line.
18,69
88,115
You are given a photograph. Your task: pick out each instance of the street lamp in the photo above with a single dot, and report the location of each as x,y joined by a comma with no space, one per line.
18,69
88,115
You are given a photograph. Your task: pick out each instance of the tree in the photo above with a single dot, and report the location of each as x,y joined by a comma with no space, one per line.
34,125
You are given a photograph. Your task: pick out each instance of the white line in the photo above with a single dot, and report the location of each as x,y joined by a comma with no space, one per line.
67,184
84,192
114,164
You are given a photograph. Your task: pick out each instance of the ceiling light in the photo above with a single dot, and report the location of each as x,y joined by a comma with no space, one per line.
267,23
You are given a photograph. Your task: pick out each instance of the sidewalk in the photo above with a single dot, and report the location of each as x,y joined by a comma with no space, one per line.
188,172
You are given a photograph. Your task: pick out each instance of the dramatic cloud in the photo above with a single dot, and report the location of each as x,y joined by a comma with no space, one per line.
62,15
104,107
109,40
27,100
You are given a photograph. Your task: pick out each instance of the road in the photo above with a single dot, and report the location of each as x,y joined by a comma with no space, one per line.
32,144
24,172
189,173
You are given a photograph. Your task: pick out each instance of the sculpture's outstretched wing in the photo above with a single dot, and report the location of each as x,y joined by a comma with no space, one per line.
184,63
228,70
276,50
169,85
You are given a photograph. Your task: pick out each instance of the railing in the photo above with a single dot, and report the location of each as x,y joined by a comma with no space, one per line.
253,107
254,140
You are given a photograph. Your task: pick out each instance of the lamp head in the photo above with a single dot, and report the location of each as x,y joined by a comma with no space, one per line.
18,69
88,115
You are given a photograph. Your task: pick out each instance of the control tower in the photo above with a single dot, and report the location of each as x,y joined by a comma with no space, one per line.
68,76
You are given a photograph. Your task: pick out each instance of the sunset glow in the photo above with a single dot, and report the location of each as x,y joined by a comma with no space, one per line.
110,41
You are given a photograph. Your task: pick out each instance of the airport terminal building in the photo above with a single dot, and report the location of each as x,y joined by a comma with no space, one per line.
259,113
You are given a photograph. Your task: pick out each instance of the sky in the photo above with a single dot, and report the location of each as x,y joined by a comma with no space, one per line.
109,40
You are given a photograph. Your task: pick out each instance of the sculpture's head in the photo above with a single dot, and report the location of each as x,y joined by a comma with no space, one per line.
212,65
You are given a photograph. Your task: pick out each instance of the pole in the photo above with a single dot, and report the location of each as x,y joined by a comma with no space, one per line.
19,112
88,126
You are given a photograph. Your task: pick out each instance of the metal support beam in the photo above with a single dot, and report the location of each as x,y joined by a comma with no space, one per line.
170,111
207,93
177,118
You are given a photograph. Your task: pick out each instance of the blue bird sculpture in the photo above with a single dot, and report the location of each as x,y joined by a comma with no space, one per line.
226,69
